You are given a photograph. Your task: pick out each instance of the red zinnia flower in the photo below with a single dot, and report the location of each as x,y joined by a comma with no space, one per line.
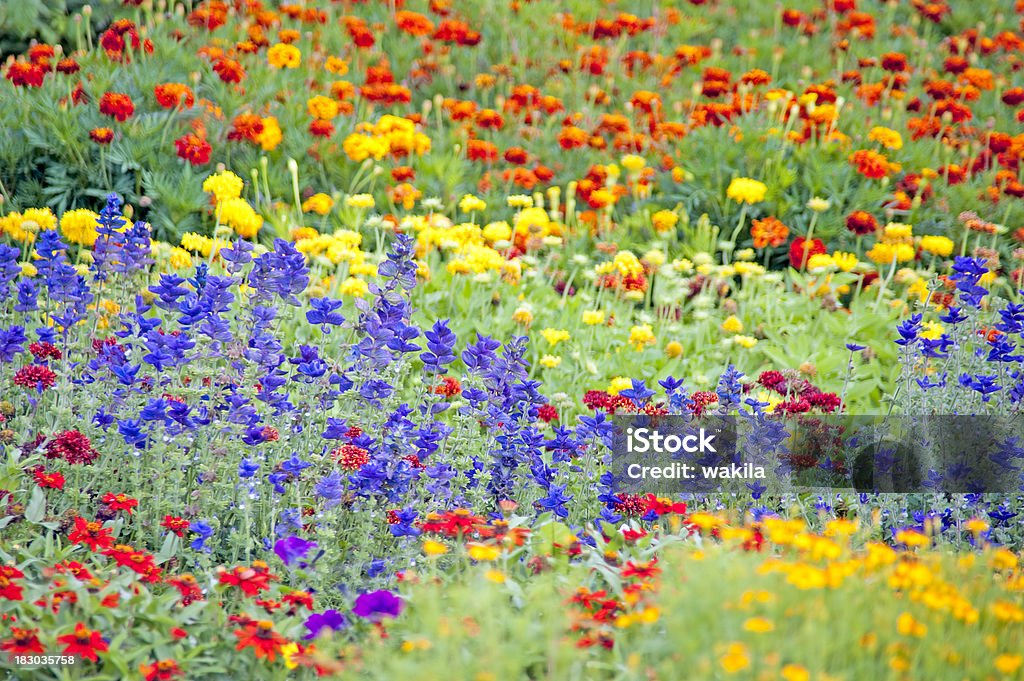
262,638
22,641
194,149
35,376
8,589
91,533
251,580
46,480
175,524
161,671
120,502
85,642
117,105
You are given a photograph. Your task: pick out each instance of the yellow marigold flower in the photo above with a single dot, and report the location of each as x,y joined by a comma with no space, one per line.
550,361
43,217
1005,611
497,231
532,222
640,336
654,258
520,201
319,203
284,56
913,538
976,525
336,65
354,287
633,163
897,231
471,204
322,108
180,258
522,316
759,625
732,324
819,261
673,349
364,269
271,135
240,216
483,552
744,341
197,243
1008,663
664,220
1004,559
906,625
593,317
628,264
845,261
79,226
818,204
884,253
795,672
434,548
735,658
746,190
555,336
223,185
496,576
362,201
888,138
618,384
937,245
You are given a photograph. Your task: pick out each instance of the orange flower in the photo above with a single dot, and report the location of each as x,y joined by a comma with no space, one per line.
170,95
769,232
261,637
872,164
117,105
413,23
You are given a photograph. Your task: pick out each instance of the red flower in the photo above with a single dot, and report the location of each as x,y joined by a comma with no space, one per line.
35,376
170,95
194,149
120,502
547,413
299,598
68,66
91,533
24,74
73,567
188,587
246,127
642,570
54,480
101,135
229,70
319,128
262,638
251,580
73,447
43,351
117,105
8,589
85,642
175,524
351,457
161,671
861,222
449,387
797,257
22,641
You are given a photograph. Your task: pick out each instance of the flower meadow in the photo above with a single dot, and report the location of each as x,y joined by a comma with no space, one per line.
318,320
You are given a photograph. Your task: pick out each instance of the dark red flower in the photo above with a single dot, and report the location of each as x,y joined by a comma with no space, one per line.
800,251
193,148
73,447
35,376
175,524
24,74
117,105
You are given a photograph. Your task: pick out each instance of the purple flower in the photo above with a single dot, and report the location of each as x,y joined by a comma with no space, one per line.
377,605
329,619
293,549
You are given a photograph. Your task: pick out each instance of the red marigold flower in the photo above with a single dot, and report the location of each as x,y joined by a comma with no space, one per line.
321,128
35,376
175,524
359,32
101,135
170,95
450,387
413,23
194,149
120,502
872,164
261,637
22,641
84,642
229,70
801,250
351,457
68,66
481,150
91,533
73,447
246,127
861,223
163,670
117,105
8,589
54,480
25,74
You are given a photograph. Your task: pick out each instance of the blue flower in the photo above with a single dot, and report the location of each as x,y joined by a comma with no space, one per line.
292,550
324,313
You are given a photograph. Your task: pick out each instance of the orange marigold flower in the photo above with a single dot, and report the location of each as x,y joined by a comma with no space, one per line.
170,95
117,105
769,232
872,164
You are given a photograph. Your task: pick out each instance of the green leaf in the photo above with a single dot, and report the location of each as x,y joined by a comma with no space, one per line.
36,509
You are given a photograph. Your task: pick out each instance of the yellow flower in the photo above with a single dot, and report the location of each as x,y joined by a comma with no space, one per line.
550,361
271,135
483,552
633,163
555,336
336,65
42,217
496,576
320,204
1004,559
732,324
745,341
654,257
897,231
887,137
641,335
180,258
223,185
288,652
913,538
522,316
532,222
322,108
520,201
618,384
362,201
818,204
976,525
795,672
937,245
434,548
1008,663
664,220
79,226
735,659
759,625
354,287
471,204
932,331
593,317
906,625
497,231
884,253
28,269
674,349
628,264
746,190
284,56
819,261
845,261
240,216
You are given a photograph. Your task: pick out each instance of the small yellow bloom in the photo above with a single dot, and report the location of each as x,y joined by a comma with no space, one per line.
937,245
593,317
550,361
1008,663
618,384
888,138
320,204
932,330
362,201
664,220
735,659
496,576
522,316
288,652
354,287
906,625
795,672
818,204
434,548
641,336
759,625
471,204
674,349
746,190
484,552
322,108
284,56
744,341
845,261
732,324
555,336
224,185
633,163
